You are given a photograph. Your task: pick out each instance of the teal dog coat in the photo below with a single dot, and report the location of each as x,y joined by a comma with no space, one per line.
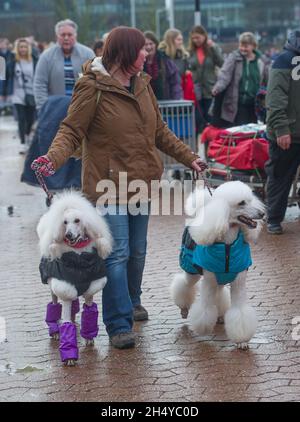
225,261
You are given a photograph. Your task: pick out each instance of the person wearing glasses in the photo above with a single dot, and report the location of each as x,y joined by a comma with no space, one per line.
59,66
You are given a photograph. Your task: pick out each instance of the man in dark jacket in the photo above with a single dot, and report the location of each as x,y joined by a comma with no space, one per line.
283,129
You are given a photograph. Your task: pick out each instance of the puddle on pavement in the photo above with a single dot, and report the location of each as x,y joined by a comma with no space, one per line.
28,369
10,211
292,214
10,369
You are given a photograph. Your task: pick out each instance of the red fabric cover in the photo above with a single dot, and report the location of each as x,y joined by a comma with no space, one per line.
210,133
188,87
243,154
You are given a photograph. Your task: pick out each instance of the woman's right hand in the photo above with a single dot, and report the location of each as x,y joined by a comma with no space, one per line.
43,166
214,92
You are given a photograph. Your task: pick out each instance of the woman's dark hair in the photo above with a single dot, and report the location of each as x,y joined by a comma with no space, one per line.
122,48
151,36
98,44
199,29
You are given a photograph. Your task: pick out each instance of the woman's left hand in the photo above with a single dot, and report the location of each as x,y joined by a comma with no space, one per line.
199,165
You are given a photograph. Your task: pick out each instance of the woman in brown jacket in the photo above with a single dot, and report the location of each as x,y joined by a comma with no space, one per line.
115,119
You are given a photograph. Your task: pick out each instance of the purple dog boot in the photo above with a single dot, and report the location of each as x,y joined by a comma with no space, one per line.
53,315
75,309
68,343
89,322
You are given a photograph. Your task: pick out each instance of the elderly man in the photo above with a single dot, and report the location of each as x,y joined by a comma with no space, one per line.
59,66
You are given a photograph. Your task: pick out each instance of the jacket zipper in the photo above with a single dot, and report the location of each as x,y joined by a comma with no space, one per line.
227,257
247,79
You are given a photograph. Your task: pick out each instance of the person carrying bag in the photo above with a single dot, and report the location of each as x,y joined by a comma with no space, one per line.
23,98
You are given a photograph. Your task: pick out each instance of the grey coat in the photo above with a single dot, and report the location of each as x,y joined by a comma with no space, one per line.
49,76
229,80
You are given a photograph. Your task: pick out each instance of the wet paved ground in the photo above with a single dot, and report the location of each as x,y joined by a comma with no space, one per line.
169,362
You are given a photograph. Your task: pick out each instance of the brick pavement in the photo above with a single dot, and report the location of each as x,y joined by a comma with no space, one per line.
169,362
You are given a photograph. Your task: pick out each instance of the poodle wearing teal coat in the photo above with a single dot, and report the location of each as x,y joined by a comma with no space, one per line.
216,245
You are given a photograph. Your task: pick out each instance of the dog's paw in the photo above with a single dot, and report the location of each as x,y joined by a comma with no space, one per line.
89,343
55,336
203,319
104,247
70,362
184,313
54,250
242,346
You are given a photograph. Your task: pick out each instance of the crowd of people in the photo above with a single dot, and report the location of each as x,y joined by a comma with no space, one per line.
223,90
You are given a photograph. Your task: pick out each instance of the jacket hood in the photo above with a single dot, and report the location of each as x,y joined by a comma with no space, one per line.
94,65
97,66
293,42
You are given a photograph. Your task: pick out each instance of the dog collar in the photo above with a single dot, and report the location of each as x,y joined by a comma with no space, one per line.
81,243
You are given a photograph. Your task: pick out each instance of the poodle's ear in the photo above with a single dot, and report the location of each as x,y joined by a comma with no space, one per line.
97,229
58,233
211,225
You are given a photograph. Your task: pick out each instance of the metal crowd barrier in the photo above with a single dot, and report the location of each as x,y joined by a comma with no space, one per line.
180,118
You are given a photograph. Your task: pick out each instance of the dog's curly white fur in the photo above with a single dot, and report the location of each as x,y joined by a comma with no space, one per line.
216,218
71,214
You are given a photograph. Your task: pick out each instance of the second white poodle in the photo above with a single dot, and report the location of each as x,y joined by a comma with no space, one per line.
215,245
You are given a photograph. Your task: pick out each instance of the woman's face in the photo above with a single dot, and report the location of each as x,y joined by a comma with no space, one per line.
23,49
140,61
246,49
198,39
178,42
150,47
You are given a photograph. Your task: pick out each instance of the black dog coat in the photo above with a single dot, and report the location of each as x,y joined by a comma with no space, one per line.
77,269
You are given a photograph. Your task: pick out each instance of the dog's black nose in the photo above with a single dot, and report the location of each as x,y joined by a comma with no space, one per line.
69,235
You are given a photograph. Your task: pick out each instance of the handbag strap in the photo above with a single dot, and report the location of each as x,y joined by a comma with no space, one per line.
23,77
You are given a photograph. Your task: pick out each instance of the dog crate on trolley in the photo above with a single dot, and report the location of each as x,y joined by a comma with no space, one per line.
221,171
180,118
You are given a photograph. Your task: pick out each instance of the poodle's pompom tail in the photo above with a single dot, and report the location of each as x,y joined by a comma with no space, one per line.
203,318
240,323
182,292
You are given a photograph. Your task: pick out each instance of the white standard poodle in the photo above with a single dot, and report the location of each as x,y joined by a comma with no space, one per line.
74,240
215,245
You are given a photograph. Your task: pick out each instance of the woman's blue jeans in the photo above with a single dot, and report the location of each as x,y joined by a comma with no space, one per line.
124,267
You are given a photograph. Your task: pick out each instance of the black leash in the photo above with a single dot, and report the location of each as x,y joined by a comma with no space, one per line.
196,175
